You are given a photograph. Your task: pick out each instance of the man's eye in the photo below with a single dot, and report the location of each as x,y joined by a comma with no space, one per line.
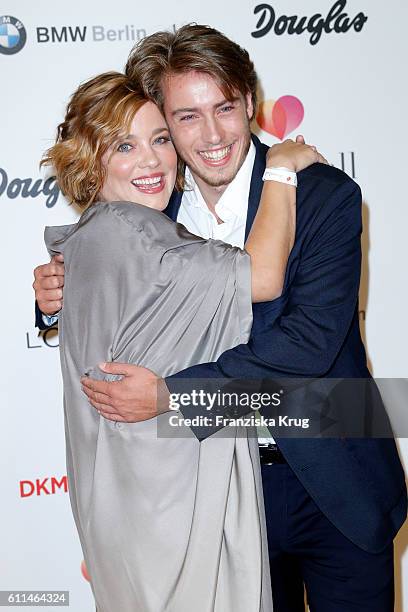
226,109
125,147
187,117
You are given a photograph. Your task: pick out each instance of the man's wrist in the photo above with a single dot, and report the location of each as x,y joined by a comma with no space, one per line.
163,397
50,320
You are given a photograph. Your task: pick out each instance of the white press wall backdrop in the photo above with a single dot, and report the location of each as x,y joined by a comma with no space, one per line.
352,88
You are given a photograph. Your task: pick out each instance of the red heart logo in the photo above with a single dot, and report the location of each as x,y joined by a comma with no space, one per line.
84,571
280,117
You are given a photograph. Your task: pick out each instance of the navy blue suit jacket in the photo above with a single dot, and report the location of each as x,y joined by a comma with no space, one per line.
312,330
38,319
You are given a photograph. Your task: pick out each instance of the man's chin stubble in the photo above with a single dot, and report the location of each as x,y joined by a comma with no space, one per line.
220,180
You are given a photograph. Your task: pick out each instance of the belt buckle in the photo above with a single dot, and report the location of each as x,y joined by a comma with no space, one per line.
275,456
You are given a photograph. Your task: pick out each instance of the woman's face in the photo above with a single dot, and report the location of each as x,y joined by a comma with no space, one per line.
142,167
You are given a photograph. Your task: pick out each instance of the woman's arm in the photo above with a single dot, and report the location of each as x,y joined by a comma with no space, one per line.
273,232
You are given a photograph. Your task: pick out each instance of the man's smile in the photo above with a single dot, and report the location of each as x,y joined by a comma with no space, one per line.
217,157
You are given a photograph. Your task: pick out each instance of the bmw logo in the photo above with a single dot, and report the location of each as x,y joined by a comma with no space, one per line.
13,35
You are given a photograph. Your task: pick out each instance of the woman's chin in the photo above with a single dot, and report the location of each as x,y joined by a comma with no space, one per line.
151,202
156,203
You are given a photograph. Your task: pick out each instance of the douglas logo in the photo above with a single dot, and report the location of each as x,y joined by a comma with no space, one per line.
28,188
336,21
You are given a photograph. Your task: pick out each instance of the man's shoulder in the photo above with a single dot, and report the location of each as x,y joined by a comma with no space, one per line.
331,176
324,190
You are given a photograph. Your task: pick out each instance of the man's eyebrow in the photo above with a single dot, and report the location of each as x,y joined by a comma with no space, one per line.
196,110
234,99
184,110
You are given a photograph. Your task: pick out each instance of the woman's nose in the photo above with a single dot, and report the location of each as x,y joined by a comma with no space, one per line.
148,158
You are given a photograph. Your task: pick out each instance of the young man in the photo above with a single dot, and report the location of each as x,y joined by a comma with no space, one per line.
332,506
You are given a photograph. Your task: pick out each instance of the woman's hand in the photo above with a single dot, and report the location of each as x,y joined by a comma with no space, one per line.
294,155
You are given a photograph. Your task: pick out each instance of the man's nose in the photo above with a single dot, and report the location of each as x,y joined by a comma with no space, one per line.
212,132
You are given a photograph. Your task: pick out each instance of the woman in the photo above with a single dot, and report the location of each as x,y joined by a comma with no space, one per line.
166,523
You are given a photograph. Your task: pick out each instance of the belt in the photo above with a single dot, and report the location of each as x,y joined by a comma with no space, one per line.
270,454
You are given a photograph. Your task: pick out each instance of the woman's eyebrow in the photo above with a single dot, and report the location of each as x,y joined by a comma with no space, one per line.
160,129
154,132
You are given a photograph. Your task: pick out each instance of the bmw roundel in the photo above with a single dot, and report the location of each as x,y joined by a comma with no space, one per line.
13,35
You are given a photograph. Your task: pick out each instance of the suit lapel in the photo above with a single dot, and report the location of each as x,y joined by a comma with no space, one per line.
255,189
174,205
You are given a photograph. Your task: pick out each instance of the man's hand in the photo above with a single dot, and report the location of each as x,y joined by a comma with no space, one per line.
139,396
49,280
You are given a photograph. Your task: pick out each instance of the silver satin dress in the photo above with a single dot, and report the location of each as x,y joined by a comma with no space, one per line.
167,524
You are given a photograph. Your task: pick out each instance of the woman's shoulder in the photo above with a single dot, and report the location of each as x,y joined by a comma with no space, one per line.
154,224
132,213
109,223
98,220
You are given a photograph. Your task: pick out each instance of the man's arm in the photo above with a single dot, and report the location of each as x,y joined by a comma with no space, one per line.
306,338
303,341
48,285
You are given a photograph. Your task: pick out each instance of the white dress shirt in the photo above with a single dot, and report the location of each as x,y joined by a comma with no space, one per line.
232,208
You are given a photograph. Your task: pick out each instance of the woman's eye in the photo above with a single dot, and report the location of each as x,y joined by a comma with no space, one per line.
125,147
162,140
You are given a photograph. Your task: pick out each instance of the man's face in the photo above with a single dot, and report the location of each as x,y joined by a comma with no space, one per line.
211,134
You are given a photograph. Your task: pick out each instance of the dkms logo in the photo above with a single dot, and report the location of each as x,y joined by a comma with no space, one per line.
13,35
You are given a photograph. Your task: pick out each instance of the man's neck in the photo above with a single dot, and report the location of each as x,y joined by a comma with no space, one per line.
211,195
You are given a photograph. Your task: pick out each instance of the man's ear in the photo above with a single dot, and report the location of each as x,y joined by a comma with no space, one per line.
249,106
